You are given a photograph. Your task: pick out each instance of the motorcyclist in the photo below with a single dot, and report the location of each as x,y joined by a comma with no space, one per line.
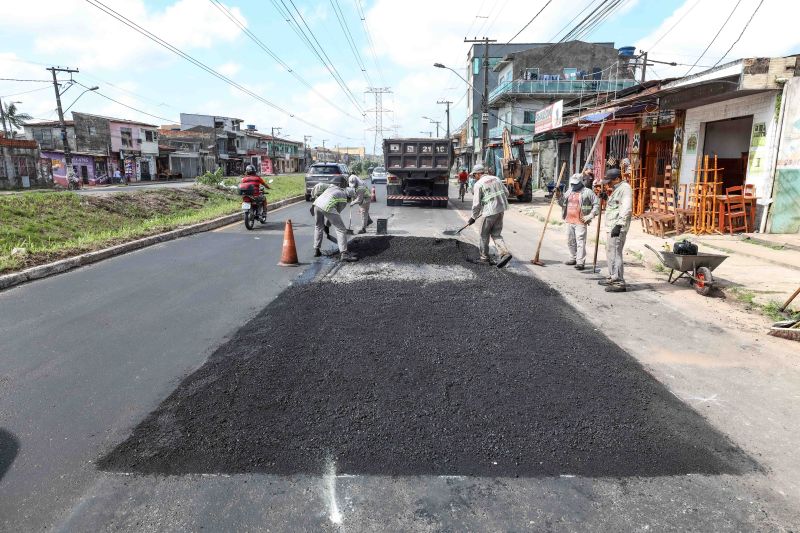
462,182
251,178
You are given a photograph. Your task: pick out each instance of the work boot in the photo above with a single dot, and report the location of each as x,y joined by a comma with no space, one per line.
347,257
486,261
362,231
570,262
616,287
504,259
369,221
579,267
317,253
606,281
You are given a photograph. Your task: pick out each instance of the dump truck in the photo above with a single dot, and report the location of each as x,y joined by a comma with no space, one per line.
419,170
506,159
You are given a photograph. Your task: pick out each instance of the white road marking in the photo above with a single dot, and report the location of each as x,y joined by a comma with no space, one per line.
330,484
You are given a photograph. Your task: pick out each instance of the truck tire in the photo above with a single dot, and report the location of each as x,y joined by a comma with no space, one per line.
527,194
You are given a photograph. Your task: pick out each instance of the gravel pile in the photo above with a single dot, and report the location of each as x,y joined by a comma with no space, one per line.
489,376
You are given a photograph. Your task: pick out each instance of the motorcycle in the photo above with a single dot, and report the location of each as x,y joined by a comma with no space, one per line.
254,205
73,182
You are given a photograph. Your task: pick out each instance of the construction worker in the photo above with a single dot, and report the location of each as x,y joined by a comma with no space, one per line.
588,175
318,189
362,200
580,205
326,209
490,200
618,221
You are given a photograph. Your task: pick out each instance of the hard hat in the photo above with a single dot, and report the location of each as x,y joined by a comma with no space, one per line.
478,168
575,179
250,169
353,181
611,175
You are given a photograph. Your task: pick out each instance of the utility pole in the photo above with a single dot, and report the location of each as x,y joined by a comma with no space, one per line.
379,111
324,153
447,103
272,144
67,152
485,96
306,157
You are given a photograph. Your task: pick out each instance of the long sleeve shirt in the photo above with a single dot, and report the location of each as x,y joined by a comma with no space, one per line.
489,196
333,200
360,192
620,207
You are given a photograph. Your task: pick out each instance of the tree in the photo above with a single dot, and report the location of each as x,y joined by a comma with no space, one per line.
13,117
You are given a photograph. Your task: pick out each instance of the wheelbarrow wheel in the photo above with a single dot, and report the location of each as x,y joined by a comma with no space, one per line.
704,281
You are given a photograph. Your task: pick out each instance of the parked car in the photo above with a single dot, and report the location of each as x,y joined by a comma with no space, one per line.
323,172
379,175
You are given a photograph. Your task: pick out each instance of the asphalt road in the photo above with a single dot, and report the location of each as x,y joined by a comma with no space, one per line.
88,354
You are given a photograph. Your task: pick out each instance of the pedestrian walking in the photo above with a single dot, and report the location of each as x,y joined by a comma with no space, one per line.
327,209
579,206
490,200
618,221
361,196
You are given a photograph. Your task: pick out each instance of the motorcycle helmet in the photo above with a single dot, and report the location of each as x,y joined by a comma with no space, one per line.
250,170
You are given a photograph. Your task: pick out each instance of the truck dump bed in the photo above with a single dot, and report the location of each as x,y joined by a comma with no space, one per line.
418,170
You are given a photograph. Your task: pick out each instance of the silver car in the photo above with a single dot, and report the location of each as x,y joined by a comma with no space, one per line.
379,175
323,173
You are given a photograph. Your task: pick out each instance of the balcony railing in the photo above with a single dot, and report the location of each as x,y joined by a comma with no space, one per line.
559,87
497,131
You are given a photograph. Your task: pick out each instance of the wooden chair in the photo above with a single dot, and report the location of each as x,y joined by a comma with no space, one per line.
685,210
735,209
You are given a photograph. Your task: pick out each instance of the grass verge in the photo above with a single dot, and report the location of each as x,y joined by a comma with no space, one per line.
771,309
45,227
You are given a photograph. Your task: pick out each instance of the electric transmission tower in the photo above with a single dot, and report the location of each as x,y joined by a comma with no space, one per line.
379,110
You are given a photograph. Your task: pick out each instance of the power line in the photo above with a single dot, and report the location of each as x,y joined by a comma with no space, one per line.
98,93
715,36
529,22
225,11
306,36
36,81
674,25
24,92
337,10
369,40
740,35
121,18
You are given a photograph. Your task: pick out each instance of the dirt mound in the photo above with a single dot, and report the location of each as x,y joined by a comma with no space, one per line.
491,375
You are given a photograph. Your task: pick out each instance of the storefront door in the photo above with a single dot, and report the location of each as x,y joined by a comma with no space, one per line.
729,141
658,154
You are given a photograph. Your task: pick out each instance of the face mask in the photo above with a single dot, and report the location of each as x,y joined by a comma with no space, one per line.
577,186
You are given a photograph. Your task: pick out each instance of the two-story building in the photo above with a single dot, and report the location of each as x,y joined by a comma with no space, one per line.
229,146
51,145
272,155
20,166
186,153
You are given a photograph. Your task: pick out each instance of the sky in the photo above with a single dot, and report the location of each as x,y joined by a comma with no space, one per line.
322,94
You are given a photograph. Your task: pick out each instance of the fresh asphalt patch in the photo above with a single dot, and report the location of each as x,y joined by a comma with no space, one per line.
420,362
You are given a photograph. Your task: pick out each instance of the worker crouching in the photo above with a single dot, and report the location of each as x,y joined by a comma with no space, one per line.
579,206
618,221
326,209
360,192
490,200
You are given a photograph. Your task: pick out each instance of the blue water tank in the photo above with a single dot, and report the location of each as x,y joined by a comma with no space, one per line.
627,51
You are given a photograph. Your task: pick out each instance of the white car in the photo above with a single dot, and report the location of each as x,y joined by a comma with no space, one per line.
379,175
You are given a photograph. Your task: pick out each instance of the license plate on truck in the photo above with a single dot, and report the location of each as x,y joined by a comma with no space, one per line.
245,206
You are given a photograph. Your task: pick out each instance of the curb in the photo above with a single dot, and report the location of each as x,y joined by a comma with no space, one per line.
63,265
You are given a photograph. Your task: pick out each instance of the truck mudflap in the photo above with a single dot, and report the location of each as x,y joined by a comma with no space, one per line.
416,198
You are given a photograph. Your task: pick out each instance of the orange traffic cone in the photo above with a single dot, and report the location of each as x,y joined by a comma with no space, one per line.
289,254
374,197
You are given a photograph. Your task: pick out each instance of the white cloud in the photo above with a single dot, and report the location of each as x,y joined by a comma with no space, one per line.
771,33
75,32
229,69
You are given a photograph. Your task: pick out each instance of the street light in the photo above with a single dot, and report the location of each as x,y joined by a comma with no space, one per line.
84,92
437,122
439,65
430,133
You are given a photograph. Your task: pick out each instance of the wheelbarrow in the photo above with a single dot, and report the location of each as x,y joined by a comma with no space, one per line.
697,268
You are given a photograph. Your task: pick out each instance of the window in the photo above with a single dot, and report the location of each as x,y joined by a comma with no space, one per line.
44,137
531,74
126,137
493,61
529,117
570,73
149,136
92,130
476,65
475,120
24,165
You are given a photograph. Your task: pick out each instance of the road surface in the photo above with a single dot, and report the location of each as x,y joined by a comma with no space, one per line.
86,355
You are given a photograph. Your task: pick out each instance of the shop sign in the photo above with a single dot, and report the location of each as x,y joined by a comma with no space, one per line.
550,117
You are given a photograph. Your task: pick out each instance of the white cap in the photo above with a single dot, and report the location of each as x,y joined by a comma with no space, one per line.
478,168
575,179
353,180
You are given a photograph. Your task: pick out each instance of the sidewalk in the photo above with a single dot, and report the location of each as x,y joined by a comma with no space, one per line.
762,272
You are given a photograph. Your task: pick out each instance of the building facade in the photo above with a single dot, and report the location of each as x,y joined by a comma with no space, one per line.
230,152
20,165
